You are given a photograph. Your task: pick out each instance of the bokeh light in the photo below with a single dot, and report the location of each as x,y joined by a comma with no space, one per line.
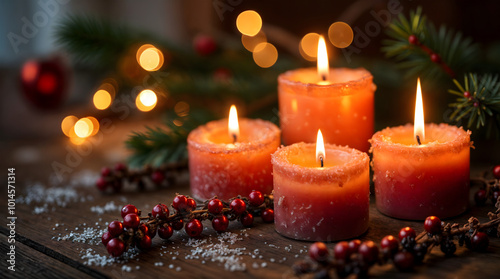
149,57
83,127
67,124
249,23
181,109
340,34
102,99
308,46
146,100
265,55
250,42
95,125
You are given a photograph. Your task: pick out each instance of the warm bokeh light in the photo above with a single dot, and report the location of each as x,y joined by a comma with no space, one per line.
95,125
146,100
340,34
149,57
323,67
320,149
419,127
68,123
249,23
233,125
29,71
250,42
102,99
181,109
308,46
265,55
76,140
83,127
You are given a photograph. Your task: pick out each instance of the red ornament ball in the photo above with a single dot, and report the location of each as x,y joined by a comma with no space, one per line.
432,224
204,45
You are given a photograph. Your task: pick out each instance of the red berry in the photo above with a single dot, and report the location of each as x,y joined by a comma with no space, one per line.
115,228
177,225
476,104
368,251
435,58
194,228
496,171
494,196
341,251
180,202
129,208
121,167
407,232
256,198
131,221
160,211
145,242
318,252
413,40
215,206
115,247
467,94
268,215
105,171
144,229
157,177
238,206
404,261
432,224
220,223
106,237
479,242
354,246
191,204
101,184
480,197
247,219
165,231
204,45
390,242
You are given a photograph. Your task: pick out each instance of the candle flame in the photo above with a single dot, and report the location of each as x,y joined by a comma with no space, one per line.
419,128
320,149
233,126
323,67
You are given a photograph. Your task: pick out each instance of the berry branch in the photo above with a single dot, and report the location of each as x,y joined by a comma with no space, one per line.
435,58
138,231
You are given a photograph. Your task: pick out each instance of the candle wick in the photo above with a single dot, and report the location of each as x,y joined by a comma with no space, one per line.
321,160
418,140
323,77
234,138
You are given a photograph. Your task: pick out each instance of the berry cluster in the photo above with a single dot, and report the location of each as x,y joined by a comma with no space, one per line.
137,231
489,188
115,178
356,257
435,58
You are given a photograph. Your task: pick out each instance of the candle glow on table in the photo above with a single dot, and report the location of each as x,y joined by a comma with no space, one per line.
232,157
421,170
339,101
320,203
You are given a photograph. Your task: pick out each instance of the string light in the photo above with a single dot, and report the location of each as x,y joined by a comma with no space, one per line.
149,57
146,100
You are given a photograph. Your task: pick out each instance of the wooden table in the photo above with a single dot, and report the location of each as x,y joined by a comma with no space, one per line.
38,253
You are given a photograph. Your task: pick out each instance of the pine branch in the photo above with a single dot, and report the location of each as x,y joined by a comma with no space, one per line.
478,102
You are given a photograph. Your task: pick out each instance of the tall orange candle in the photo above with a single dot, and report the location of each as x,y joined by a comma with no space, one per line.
421,170
338,101
232,157
322,195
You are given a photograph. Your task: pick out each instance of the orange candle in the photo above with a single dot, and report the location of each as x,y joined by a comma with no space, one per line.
421,170
322,195
230,161
337,101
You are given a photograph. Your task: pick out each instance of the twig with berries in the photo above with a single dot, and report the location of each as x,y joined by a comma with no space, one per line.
115,178
489,187
138,231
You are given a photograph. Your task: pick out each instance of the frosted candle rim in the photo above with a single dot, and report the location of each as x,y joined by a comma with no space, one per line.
197,134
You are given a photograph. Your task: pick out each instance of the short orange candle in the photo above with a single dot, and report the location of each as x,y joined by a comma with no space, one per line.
412,180
317,203
338,101
229,164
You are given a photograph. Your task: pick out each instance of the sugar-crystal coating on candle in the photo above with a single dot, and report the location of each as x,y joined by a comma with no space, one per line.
320,204
415,181
220,167
342,107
